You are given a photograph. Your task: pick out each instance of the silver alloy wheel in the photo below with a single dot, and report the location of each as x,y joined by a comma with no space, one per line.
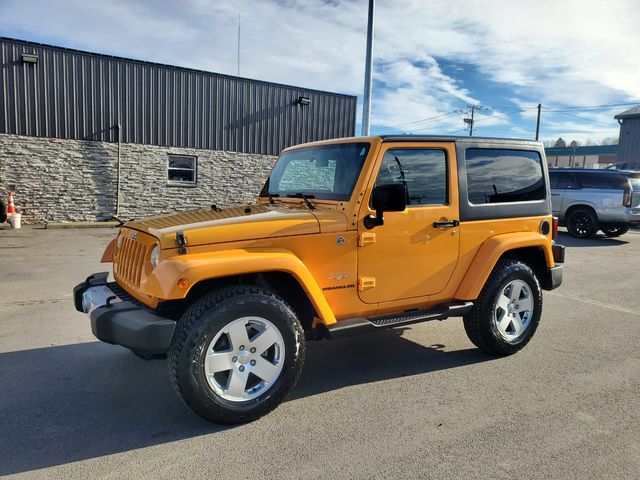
514,310
244,359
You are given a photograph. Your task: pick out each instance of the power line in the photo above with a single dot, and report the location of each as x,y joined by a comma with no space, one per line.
423,127
569,131
511,107
594,107
576,107
577,116
428,119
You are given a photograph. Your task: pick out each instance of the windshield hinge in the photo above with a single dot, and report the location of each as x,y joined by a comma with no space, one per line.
181,242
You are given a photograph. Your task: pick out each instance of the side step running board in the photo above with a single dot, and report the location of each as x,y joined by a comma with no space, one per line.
409,317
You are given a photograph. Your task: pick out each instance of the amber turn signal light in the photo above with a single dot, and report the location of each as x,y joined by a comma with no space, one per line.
183,284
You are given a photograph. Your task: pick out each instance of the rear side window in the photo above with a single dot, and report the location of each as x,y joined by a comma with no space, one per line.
501,176
601,181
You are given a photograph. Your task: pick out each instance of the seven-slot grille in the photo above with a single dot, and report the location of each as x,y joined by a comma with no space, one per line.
130,260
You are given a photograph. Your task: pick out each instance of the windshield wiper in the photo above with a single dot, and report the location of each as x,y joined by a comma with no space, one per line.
305,197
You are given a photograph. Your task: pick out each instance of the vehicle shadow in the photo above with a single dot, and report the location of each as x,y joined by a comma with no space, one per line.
599,241
68,403
374,357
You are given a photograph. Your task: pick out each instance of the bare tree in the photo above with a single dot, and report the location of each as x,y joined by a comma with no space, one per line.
574,144
609,141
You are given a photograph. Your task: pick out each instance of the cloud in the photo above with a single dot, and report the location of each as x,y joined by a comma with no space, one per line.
554,53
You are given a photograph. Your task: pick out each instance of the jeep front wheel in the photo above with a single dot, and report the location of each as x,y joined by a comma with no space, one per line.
507,312
236,353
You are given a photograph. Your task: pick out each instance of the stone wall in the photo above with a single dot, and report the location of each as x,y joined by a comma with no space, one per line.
73,180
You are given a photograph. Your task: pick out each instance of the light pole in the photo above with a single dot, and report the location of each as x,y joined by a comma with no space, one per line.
366,99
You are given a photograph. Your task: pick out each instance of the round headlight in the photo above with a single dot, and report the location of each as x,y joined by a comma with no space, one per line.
155,256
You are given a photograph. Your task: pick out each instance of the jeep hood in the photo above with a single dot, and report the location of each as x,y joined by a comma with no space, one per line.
235,224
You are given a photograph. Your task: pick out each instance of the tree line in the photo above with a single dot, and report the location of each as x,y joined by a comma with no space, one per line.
561,143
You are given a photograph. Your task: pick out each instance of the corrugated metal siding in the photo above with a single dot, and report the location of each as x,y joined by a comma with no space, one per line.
80,95
629,143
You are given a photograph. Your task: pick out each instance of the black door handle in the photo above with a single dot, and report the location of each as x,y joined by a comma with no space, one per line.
450,223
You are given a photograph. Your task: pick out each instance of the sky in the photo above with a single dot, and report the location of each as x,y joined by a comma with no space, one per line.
432,58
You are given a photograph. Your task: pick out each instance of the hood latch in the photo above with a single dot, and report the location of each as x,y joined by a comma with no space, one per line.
181,242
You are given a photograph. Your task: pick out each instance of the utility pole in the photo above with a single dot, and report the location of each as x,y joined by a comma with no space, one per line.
366,99
471,110
238,43
538,121
470,121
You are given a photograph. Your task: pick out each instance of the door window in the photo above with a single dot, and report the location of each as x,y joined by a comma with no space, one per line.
423,171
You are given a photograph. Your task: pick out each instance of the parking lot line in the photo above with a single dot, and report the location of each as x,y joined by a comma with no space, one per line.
595,302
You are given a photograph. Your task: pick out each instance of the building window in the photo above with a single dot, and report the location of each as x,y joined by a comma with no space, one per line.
499,176
182,170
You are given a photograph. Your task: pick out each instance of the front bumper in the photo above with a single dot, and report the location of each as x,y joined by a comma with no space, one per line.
120,321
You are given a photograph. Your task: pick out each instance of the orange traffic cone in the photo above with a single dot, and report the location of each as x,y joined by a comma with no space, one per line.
11,208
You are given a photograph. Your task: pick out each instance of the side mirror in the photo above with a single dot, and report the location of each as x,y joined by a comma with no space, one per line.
390,197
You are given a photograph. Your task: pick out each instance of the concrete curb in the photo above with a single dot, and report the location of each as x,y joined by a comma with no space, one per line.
5,226
64,225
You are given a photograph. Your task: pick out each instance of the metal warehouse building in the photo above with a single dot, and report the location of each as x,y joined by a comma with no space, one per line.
629,141
84,135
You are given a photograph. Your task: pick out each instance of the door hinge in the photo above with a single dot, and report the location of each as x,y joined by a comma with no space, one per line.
366,238
365,283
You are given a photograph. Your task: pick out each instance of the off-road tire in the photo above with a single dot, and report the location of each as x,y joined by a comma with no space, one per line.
202,321
615,231
479,322
582,223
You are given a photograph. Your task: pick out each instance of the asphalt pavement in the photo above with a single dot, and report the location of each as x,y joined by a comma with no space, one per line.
419,402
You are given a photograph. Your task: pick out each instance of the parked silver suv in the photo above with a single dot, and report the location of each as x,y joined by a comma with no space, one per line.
586,201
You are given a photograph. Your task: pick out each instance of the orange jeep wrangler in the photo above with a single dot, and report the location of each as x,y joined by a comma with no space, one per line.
347,235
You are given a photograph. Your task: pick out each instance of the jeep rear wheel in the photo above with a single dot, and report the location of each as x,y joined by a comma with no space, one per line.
236,354
507,312
582,223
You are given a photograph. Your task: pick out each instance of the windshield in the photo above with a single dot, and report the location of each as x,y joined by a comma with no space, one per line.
326,172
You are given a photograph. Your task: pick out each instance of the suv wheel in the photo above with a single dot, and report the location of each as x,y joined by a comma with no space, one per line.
507,312
582,223
236,353
615,230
